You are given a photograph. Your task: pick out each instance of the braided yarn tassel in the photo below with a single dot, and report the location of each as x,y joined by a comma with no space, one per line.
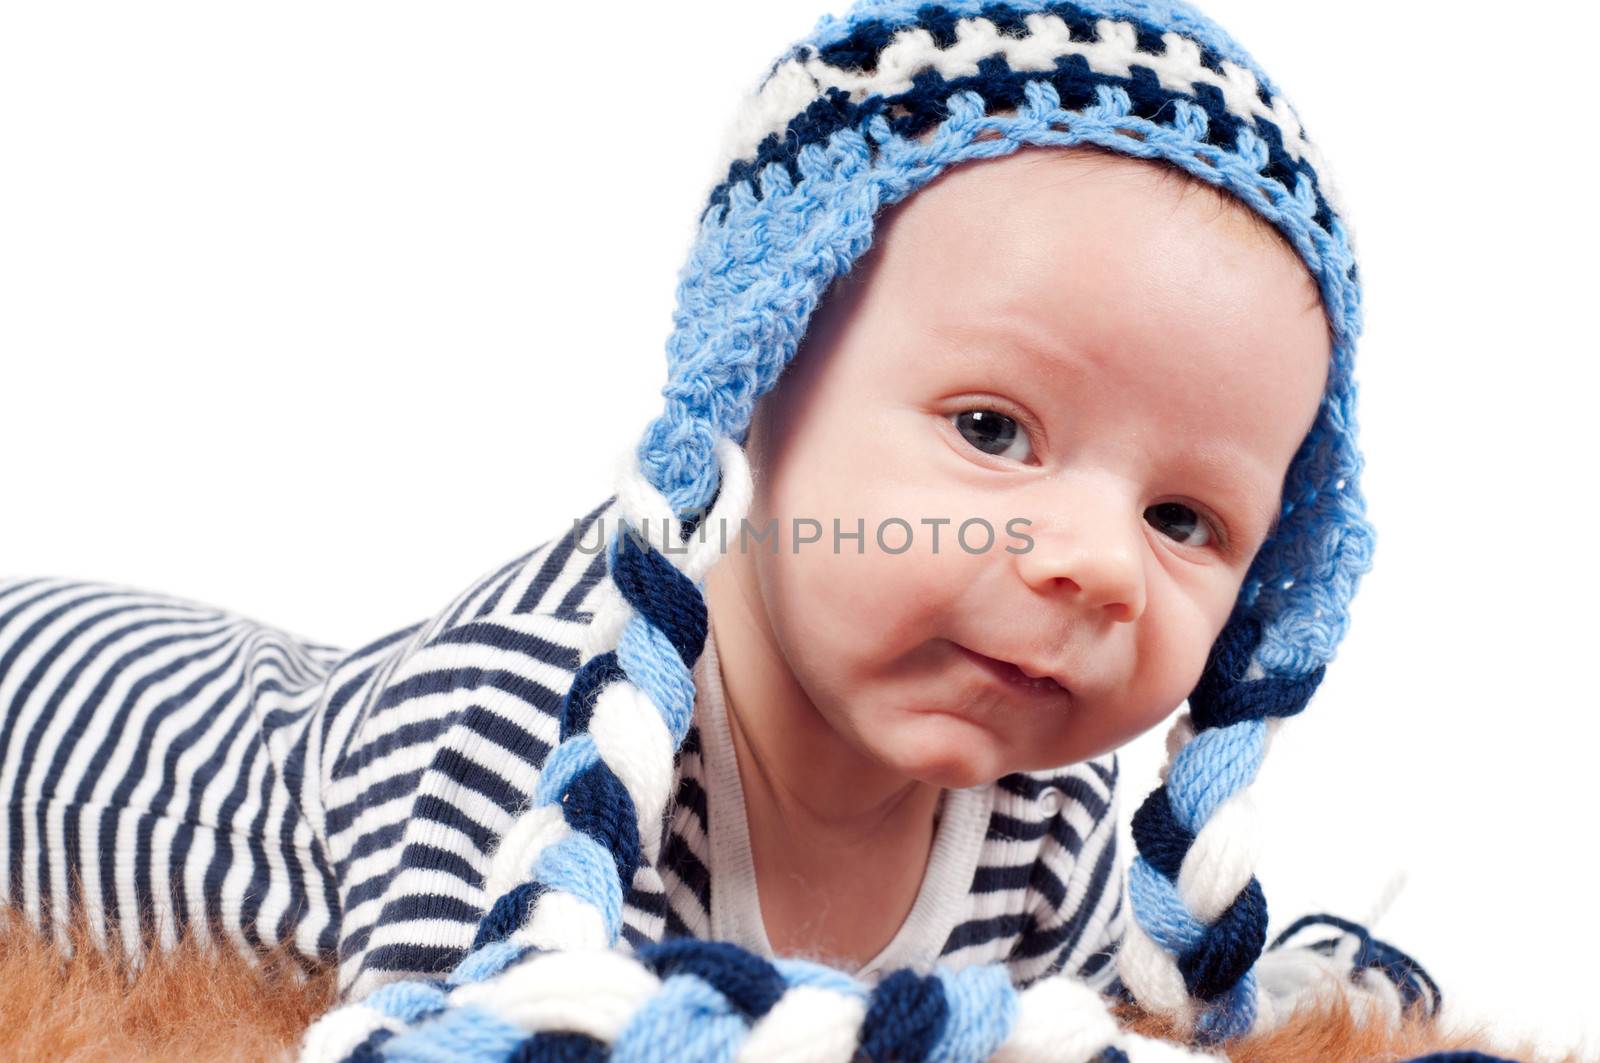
1200,914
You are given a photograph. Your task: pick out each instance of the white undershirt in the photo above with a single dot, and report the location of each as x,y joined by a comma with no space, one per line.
962,819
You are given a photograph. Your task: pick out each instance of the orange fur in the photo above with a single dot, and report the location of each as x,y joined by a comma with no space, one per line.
198,1005
190,1003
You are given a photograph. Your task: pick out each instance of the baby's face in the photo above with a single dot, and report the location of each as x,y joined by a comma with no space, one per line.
1074,341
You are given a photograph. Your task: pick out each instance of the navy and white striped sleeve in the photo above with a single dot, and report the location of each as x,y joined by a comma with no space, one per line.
442,748
152,771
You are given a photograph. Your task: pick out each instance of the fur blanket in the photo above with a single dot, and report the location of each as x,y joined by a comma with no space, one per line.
198,1006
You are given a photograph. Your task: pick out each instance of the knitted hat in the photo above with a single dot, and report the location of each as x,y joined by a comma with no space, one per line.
860,114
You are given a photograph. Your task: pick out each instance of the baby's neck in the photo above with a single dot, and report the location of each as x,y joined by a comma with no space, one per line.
836,875
830,808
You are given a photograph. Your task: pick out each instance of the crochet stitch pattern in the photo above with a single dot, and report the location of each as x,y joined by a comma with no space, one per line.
862,113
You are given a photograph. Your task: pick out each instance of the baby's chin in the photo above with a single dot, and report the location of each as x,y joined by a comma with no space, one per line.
948,753
956,753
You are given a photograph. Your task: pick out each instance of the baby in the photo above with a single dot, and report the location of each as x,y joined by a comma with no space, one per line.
1067,440
1125,361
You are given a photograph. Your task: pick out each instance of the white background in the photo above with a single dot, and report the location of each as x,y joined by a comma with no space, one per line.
319,311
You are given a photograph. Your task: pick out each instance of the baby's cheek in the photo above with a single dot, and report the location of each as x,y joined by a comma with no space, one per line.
1170,663
1084,731
876,602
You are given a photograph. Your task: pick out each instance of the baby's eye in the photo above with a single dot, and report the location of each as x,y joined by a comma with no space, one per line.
993,433
1184,519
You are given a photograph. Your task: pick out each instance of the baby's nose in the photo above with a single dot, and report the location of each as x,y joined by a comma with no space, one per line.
1090,552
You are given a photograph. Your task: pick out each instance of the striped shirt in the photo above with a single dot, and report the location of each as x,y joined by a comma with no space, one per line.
168,767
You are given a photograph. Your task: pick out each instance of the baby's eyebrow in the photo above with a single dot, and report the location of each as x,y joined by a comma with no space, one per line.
980,340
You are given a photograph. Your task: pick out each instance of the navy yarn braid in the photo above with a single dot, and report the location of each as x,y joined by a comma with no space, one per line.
596,802
1220,959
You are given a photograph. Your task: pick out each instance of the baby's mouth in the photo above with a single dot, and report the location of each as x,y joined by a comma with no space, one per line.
1012,675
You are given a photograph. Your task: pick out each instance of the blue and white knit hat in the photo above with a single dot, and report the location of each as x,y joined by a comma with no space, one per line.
862,113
